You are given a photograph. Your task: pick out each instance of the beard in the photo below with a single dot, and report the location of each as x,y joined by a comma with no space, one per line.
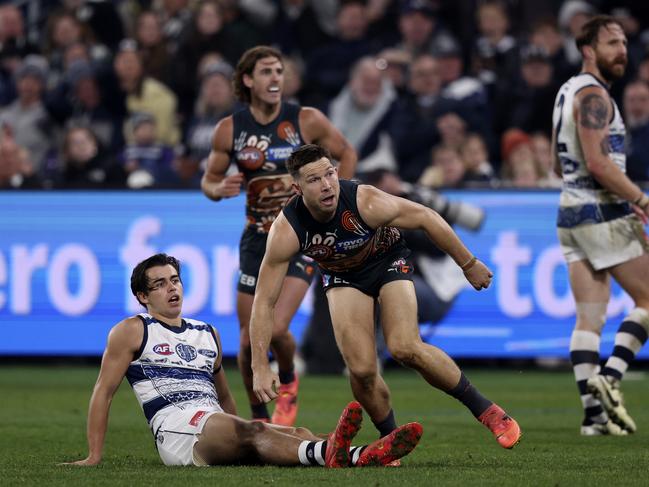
608,71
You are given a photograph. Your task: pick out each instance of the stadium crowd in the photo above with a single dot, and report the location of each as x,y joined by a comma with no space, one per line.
452,94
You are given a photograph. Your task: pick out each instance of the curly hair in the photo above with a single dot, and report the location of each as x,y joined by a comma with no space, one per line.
246,65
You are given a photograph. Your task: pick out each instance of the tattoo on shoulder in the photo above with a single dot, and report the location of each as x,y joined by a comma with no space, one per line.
594,112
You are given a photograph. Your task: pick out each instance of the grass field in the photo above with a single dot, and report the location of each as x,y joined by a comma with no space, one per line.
43,411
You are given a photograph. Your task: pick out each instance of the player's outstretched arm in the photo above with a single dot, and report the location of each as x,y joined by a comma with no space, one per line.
215,184
382,209
317,129
124,341
593,111
281,246
226,400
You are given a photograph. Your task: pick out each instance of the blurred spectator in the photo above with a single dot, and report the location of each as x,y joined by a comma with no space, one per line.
156,59
328,67
27,117
421,33
215,101
209,32
147,162
572,16
301,26
542,152
636,110
519,168
528,102
145,94
187,169
414,123
293,74
495,54
396,64
362,113
14,46
102,18
643,67
16,170
469,92
83,163
446,170
452,130
176,17
545,34
64,30
478,170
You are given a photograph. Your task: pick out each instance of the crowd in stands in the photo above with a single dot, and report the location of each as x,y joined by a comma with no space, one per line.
445,93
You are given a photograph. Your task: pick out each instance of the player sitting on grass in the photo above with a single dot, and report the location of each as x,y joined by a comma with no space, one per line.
174,367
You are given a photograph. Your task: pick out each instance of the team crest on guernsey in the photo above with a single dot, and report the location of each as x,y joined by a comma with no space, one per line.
286,131
350,223
186,352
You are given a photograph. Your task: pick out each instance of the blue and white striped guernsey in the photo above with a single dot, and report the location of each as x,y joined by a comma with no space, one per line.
583,200
174,368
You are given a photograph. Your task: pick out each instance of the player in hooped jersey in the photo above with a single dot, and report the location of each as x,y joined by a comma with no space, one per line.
352,232
600,224
259,139
174,367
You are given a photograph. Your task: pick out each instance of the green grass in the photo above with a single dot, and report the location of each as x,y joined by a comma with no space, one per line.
43,411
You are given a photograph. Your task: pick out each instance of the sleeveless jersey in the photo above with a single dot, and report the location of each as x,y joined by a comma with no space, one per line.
345,243
174,368
260,152
580,190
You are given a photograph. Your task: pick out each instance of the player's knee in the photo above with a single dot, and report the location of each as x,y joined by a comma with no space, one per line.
403,352
591,316
639,316
250,430
364,375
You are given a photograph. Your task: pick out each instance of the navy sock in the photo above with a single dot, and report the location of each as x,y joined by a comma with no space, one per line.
387,426
469,396
259,411
286,377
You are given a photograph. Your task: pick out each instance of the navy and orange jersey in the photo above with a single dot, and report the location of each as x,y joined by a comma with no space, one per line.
345,243
260,152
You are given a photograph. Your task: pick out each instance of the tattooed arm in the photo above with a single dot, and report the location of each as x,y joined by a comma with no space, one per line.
593,111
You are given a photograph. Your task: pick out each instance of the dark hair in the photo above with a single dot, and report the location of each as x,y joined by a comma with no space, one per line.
139,283
305,155
246,65
590,30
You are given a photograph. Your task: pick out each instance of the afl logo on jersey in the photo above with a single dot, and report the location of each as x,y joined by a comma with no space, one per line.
186,352
319,252
250,158
163,349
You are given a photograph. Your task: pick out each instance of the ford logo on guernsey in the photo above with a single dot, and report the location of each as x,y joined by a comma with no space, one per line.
163,349
186,352
207,352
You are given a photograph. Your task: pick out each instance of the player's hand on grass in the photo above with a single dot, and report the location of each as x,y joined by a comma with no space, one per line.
479,275
86,462
229,187
265,384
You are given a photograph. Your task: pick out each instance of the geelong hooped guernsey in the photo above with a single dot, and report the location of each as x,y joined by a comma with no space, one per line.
583,200
260,152
345,243
174,367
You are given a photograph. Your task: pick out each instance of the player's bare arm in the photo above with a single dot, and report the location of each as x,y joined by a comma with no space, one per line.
215,184
221,382
593,112
317,129
382,209
554,154
281,246
124,341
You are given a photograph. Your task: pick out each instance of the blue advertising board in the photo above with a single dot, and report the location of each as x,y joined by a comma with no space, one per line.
66,258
